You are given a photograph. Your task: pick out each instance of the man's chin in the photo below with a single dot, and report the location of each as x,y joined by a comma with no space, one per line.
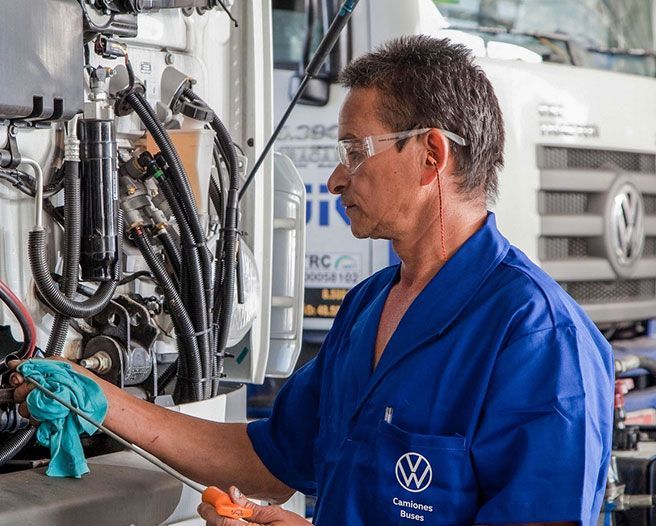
359,233
365,234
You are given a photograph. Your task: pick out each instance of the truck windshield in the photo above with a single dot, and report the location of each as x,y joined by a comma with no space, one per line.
616,35
290,24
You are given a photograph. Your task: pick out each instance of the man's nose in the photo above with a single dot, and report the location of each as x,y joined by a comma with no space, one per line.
338,180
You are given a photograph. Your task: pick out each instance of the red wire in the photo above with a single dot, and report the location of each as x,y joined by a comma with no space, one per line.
30,322
439,189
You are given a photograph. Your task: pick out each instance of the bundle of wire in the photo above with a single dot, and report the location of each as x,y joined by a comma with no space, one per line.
24,319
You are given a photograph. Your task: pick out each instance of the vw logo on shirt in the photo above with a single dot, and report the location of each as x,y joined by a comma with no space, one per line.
414,472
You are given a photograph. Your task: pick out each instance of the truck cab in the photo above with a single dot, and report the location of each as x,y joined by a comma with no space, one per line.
576,85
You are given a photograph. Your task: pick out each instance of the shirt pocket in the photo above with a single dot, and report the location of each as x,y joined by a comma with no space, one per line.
421,479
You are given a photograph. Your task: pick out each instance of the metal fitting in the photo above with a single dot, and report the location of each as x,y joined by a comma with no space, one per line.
100,362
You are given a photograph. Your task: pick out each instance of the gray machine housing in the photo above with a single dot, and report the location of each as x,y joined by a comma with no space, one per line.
41,46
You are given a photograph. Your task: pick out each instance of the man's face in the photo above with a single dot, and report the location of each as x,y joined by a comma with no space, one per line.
382,196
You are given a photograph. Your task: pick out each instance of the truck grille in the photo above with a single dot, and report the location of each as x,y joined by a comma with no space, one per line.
611,291
563,158
574,187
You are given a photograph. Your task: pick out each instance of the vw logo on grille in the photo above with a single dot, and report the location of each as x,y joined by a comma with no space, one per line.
414,472
627,229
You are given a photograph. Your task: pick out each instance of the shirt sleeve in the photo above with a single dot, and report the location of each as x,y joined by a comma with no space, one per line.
285,441
542,448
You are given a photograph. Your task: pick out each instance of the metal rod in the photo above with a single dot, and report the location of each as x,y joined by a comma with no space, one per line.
150,458
273,138
38,172
325,47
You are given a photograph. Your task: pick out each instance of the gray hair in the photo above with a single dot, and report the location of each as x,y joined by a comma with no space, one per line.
432,83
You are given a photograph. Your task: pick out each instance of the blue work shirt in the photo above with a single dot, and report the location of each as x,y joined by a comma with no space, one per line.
491,404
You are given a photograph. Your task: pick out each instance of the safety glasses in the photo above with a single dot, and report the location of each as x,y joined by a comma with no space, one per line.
353,152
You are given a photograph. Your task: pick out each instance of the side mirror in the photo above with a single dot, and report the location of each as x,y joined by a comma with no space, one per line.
316,93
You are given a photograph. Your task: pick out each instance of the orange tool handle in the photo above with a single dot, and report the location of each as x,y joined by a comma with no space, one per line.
223,505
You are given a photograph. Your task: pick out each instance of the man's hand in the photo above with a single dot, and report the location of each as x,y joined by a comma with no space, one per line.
23,388
270,515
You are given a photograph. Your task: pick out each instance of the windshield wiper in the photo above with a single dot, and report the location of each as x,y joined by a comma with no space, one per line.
630,52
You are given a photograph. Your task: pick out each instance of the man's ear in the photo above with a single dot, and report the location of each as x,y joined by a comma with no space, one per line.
438,149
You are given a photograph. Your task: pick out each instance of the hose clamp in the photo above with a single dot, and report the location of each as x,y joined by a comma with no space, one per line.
71,149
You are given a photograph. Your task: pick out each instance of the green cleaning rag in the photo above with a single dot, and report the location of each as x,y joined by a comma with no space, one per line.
60,428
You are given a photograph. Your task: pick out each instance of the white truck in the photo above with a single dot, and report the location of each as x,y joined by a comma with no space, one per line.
577,87
126,129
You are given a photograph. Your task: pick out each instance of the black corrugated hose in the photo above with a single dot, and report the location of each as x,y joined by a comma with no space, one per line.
72,232
49,290
189,385
171,249
226,270
199,304
191,283
15,444
163,141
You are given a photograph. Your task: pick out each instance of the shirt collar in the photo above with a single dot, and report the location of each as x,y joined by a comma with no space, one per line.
449,291
437,306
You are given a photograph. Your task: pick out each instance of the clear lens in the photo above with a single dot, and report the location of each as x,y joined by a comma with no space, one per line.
351,155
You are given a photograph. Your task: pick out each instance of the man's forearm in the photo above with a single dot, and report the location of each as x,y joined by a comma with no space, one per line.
209,452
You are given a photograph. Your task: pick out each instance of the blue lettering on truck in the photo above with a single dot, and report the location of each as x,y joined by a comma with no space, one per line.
325,199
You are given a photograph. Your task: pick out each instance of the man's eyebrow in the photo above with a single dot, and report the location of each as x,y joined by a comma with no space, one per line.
347,137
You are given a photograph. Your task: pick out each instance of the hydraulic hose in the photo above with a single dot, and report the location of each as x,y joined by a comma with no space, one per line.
180,180
216,194
48,288
72,220
15,444
164,379
184,327
171,249
161,138
225,276
191,281
189,211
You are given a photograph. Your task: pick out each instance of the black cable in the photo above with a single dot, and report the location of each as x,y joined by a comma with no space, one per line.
14,178
234,20
176,168
171,250
184,327
167,376
15,444
25,183
131,80
225,270
136,275
22,321
56,182
191,281
216,192
128,278
37,254
71,255
19,440
180,182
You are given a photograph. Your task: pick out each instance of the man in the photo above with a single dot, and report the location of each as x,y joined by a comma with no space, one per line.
460,387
